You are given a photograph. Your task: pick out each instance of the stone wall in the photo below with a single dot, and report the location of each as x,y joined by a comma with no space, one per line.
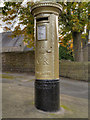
74,70
18,61
25,62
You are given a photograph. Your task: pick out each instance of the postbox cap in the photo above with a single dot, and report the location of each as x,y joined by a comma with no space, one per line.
46,7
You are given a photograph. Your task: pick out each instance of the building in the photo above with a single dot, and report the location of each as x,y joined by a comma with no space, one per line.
10,44
16,56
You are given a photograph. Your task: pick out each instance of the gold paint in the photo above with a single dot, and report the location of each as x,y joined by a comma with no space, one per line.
46,52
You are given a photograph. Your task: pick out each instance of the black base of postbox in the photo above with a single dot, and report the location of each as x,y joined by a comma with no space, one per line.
47,95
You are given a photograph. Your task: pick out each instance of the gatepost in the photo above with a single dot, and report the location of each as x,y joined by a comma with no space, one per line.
46,56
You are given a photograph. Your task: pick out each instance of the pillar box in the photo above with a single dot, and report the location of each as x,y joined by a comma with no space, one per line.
46,56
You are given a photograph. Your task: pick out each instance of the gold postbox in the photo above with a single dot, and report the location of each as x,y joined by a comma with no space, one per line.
46,54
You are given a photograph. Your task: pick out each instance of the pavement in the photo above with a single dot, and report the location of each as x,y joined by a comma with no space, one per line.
18,97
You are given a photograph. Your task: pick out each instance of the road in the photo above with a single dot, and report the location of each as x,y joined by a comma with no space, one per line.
74,88
18,97
67,86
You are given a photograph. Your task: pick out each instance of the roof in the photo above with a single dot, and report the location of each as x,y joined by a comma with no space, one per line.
10,44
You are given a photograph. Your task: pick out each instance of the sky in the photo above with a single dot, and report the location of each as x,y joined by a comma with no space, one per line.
2,4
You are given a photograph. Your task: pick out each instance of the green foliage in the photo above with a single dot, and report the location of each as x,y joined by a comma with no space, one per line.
13,11
74,18
65,53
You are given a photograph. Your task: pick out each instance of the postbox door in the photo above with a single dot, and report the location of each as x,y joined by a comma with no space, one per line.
43,52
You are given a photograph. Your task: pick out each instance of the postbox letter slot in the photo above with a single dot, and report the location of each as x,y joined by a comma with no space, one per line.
42,19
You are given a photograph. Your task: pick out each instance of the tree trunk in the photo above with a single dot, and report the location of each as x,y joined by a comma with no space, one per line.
77,45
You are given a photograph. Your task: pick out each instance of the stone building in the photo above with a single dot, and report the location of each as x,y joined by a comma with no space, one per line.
15,54
85,51
89,52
